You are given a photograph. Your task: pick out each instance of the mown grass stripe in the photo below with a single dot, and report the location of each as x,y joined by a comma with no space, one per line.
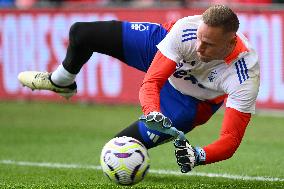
159,171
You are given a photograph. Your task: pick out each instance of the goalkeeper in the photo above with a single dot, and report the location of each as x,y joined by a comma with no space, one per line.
192,64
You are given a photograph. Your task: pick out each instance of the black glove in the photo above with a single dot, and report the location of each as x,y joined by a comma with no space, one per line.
187,156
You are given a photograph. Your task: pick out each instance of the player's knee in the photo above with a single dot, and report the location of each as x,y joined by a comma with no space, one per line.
76,33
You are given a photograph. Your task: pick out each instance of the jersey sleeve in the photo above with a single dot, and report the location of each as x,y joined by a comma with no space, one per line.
232,132
242,85
178,42
149,94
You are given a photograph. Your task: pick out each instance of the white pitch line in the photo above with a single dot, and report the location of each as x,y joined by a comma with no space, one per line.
159,171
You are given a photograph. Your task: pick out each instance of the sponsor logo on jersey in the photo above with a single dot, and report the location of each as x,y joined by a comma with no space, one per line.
185,75
179,65
191,62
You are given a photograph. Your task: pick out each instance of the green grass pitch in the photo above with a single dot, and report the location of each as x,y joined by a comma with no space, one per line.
71,134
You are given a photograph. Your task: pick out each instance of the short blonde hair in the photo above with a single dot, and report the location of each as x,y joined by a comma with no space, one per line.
221,16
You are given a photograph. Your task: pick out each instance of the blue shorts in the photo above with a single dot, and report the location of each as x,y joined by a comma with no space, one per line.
139,43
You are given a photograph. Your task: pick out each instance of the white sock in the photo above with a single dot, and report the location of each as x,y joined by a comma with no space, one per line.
62,77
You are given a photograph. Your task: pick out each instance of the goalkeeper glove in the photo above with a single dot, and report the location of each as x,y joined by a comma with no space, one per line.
156,121
187,156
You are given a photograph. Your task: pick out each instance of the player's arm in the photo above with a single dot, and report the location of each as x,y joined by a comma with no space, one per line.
232,131
158,73
241,99
240,104
171,49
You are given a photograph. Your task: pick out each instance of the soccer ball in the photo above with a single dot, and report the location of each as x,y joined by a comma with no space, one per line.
125,160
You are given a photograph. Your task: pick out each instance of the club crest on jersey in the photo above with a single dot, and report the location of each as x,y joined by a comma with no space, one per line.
212,75
139,27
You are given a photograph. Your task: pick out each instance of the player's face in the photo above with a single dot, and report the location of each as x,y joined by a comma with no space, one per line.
213,43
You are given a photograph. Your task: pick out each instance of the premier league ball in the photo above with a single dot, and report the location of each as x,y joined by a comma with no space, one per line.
125,160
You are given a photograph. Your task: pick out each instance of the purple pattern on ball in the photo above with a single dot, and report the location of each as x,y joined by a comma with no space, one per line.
119,143
123,155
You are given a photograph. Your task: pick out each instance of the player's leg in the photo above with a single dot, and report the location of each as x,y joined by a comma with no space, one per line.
139,131
84,39
185,112
87,37
132,43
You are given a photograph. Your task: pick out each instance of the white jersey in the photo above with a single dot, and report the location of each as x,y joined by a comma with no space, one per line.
238,78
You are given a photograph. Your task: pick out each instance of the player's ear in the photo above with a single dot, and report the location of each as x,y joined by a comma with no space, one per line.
233,40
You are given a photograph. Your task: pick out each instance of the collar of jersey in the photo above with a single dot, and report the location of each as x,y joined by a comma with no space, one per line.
239,48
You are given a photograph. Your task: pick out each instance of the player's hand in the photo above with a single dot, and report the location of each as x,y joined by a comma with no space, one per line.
185,155
156,121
